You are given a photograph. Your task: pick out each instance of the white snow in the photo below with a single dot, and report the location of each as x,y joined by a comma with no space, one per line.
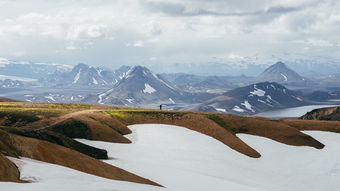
50,97
4,77
76,78
182,160
94,81
172,101
52,177
100,96
221,110
258,92
148,89
185,160
298,98
285,77
247,105
129,100
238,109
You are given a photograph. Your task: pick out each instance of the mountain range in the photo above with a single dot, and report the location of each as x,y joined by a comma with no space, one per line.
253,99
141,87
84,75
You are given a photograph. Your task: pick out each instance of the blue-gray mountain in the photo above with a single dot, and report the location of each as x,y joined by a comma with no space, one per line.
84,75
253,99
280,73
141,87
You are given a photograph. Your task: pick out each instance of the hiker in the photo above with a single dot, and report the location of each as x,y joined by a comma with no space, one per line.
160,107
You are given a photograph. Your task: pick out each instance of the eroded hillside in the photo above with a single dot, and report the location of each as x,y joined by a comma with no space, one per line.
46,132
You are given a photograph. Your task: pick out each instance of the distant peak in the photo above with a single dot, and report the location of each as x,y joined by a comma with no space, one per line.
139,67
81,66
280,64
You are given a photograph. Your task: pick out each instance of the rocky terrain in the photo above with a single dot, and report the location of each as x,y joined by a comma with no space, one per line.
329,114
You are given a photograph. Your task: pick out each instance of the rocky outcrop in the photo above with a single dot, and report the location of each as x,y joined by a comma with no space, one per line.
8,171
330,114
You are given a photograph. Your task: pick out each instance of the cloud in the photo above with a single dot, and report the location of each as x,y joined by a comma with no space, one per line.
179,9
173,31
138,43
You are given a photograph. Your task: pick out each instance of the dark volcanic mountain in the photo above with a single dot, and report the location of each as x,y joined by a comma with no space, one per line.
142,87
280,73
84,75
253,99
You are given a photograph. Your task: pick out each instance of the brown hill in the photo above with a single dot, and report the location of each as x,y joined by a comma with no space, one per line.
7,100
60,123
8,170
13,145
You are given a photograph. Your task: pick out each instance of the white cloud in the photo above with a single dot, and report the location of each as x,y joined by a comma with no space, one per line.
173,30
137,43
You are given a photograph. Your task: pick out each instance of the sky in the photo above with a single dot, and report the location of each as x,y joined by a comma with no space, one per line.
167,32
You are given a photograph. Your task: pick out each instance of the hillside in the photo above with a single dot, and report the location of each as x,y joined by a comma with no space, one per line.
46,132
253,99
141,87
280,73
329,114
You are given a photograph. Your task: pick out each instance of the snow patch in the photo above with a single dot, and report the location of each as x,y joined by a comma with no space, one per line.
172,101
285,77
221,110
248,106
76,78
238,109
148,89
258,92
50,97
94,81
129,100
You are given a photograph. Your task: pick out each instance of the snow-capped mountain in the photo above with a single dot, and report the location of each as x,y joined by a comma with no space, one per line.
7,83
280,73
84,75
139,87
196,83
29,70
253,99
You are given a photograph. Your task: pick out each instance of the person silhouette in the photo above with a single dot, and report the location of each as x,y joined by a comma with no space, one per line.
160,107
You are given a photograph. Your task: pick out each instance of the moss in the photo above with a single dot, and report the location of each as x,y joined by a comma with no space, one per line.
130,116
73,128
275,120
17,118
217,119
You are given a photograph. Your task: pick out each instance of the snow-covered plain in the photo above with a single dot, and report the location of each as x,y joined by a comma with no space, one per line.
185,160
